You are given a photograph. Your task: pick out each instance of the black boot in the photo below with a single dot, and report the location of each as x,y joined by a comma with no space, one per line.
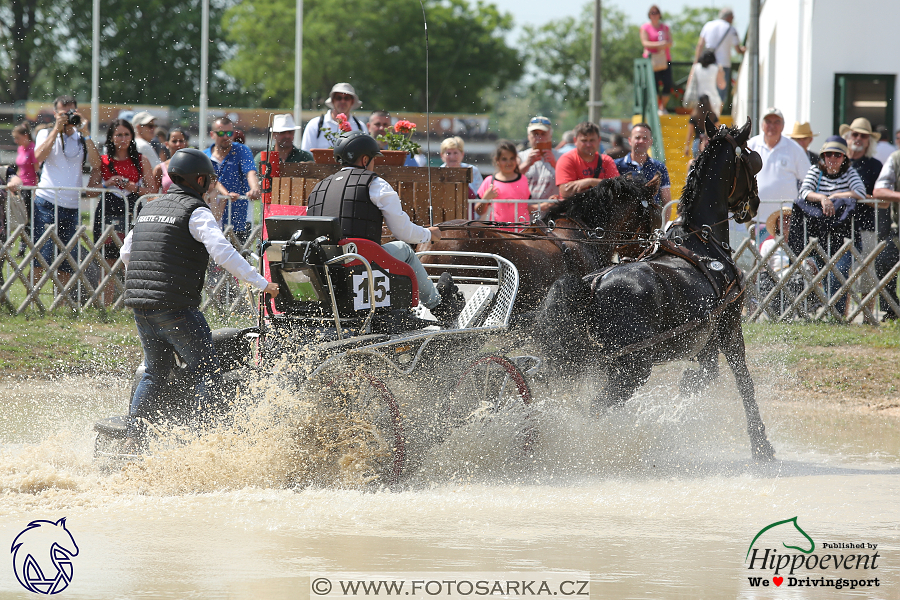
452,301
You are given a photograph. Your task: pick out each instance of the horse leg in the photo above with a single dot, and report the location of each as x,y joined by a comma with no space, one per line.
624,375
694,381
733,346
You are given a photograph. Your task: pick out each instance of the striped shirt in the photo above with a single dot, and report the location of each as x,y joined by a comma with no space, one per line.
847,182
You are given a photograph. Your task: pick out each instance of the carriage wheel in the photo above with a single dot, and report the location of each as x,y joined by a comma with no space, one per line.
495,383
365,400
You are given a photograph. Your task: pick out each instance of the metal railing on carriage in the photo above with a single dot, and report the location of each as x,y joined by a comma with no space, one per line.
773,296
91,272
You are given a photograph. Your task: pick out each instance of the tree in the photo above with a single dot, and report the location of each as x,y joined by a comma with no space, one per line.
377,47
30,39
150,51
560,54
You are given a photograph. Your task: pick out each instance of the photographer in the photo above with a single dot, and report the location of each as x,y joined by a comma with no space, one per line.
65,151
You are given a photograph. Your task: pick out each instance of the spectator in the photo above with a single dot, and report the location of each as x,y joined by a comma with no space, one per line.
884,148
827,199
506,183
283,128
127,174
618,148
697,125
236,173
802,134
778,224
720,36
539,163
897,139
177,140
656,40
639,162
887,190
584,167
785,164
452,152
145,127
239,137
566,143
162,138
64,150
378,122
26,169
342,99
709,79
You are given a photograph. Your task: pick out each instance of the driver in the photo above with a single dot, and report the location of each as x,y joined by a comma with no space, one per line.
364,202
166,256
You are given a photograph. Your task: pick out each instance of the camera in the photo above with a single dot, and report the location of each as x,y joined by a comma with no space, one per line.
74,118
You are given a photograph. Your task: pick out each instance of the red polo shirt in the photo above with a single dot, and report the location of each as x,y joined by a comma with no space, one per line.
570,167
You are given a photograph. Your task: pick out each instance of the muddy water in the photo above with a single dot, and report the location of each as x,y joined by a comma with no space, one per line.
660,500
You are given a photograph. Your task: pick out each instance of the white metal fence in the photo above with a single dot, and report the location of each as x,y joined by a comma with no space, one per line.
86,270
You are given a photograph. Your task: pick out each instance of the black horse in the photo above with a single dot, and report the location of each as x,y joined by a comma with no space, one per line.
682,299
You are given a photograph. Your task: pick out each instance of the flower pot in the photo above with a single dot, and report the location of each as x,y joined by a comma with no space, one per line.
324,155
391,157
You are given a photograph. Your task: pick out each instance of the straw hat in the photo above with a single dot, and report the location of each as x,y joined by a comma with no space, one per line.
775,218
860,125
801,130
343,88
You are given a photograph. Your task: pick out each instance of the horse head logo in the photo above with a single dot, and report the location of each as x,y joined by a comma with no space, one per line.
785,532
42,556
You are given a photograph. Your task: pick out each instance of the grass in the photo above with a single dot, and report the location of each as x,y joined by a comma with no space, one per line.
823,334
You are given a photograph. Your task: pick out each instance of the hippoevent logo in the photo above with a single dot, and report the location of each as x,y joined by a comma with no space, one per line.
854,567
42,557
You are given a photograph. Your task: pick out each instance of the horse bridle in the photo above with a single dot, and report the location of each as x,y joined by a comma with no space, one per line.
741,208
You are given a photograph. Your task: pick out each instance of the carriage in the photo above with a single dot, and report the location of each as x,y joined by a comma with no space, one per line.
346,331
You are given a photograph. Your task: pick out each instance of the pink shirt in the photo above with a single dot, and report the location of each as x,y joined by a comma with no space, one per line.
508,190
657,35
25,164
166,180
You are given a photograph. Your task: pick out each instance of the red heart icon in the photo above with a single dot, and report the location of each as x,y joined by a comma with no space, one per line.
777,581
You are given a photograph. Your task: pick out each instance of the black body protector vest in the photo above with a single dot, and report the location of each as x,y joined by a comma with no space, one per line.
168,266
346,195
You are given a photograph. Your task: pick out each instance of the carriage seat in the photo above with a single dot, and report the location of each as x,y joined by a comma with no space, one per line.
298,249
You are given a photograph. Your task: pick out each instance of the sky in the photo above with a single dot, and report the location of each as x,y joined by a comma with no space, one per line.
534,12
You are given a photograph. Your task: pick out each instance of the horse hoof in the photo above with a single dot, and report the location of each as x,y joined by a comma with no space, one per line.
763,451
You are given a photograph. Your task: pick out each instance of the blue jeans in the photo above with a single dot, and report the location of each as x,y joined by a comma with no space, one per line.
428,294
723,94
833,285
186,332
44,215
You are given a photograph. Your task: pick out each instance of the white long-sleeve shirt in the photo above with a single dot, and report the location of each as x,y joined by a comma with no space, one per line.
313,138
204,229
386,199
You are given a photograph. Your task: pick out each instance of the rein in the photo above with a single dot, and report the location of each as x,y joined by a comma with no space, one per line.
595,236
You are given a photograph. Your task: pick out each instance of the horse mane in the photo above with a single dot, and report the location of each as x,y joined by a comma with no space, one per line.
690,193
594,207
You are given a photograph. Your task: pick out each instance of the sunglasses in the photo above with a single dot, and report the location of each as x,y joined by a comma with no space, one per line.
654,12
832,155
857,134
340,97
224,133
540,121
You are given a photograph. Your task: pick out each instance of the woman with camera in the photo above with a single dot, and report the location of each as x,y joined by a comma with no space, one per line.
127,176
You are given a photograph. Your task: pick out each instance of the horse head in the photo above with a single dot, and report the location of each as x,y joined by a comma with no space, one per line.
722,180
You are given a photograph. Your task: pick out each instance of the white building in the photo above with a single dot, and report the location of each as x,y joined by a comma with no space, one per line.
826,62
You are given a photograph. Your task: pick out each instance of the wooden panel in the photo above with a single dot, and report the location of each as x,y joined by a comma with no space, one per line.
417,174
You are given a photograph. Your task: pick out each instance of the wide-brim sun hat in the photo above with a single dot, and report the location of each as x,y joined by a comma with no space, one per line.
860,125
771,223
801,130
343,88
283,123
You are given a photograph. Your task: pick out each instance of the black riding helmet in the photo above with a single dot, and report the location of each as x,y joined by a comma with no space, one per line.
352,145
187,164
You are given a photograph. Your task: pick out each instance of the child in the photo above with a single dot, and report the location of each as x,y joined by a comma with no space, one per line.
26,168
506,184
452,153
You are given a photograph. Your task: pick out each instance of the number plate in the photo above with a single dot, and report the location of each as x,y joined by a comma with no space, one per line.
361,290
